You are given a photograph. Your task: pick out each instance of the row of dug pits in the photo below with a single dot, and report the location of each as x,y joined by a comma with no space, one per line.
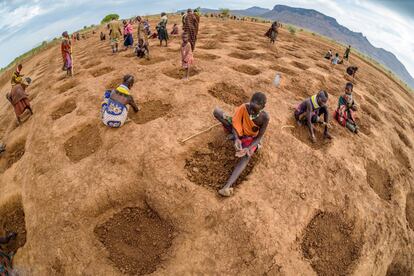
137,240
88,140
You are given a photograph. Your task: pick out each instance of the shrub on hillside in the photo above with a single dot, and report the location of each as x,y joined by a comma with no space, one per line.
292,30
109,17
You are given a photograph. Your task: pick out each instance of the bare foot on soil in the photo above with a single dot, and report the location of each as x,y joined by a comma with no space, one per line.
227,192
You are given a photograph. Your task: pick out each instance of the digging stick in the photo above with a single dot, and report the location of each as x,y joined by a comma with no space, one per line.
198,133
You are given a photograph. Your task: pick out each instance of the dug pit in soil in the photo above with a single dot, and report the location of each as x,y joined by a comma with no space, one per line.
398,269
84,143
211,166
205,56
409,210
401,156
301,133
282,69
12,155
241,55
323,66
379,180
247,69
102,71
300,65
181,73
364,126
209,45
64,109
12,220
229,93
404,138
245,48
370,112
150,110
331,244
67,86
92,64
136,239
151,60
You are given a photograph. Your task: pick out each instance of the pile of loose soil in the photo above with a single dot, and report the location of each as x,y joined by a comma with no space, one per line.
136,239
150,110
12,220
67,86
210,166
241,55
379,180
102,71
12,155
409,210
331,244
247,69
66,108
84,143
179,74
229,93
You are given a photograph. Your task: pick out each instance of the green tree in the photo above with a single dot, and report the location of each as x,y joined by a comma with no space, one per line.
109,17
225,12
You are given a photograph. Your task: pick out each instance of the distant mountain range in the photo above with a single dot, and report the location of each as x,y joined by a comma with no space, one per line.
327,26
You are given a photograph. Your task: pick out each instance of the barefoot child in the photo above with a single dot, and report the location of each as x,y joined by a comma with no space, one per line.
186,55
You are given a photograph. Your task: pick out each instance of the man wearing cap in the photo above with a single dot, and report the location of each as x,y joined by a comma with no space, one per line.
309,110
19,98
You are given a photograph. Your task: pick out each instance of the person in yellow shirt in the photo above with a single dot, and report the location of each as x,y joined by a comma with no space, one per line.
17,75
246,128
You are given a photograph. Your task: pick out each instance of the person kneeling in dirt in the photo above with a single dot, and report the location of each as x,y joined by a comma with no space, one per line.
351,70
344,114
114,111
19,98
309,111
6,258
328,55
246,128
142,49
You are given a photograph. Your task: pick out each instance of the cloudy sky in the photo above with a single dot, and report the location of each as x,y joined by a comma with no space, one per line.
388,24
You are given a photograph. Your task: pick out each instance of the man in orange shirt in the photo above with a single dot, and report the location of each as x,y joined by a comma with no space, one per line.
246,128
